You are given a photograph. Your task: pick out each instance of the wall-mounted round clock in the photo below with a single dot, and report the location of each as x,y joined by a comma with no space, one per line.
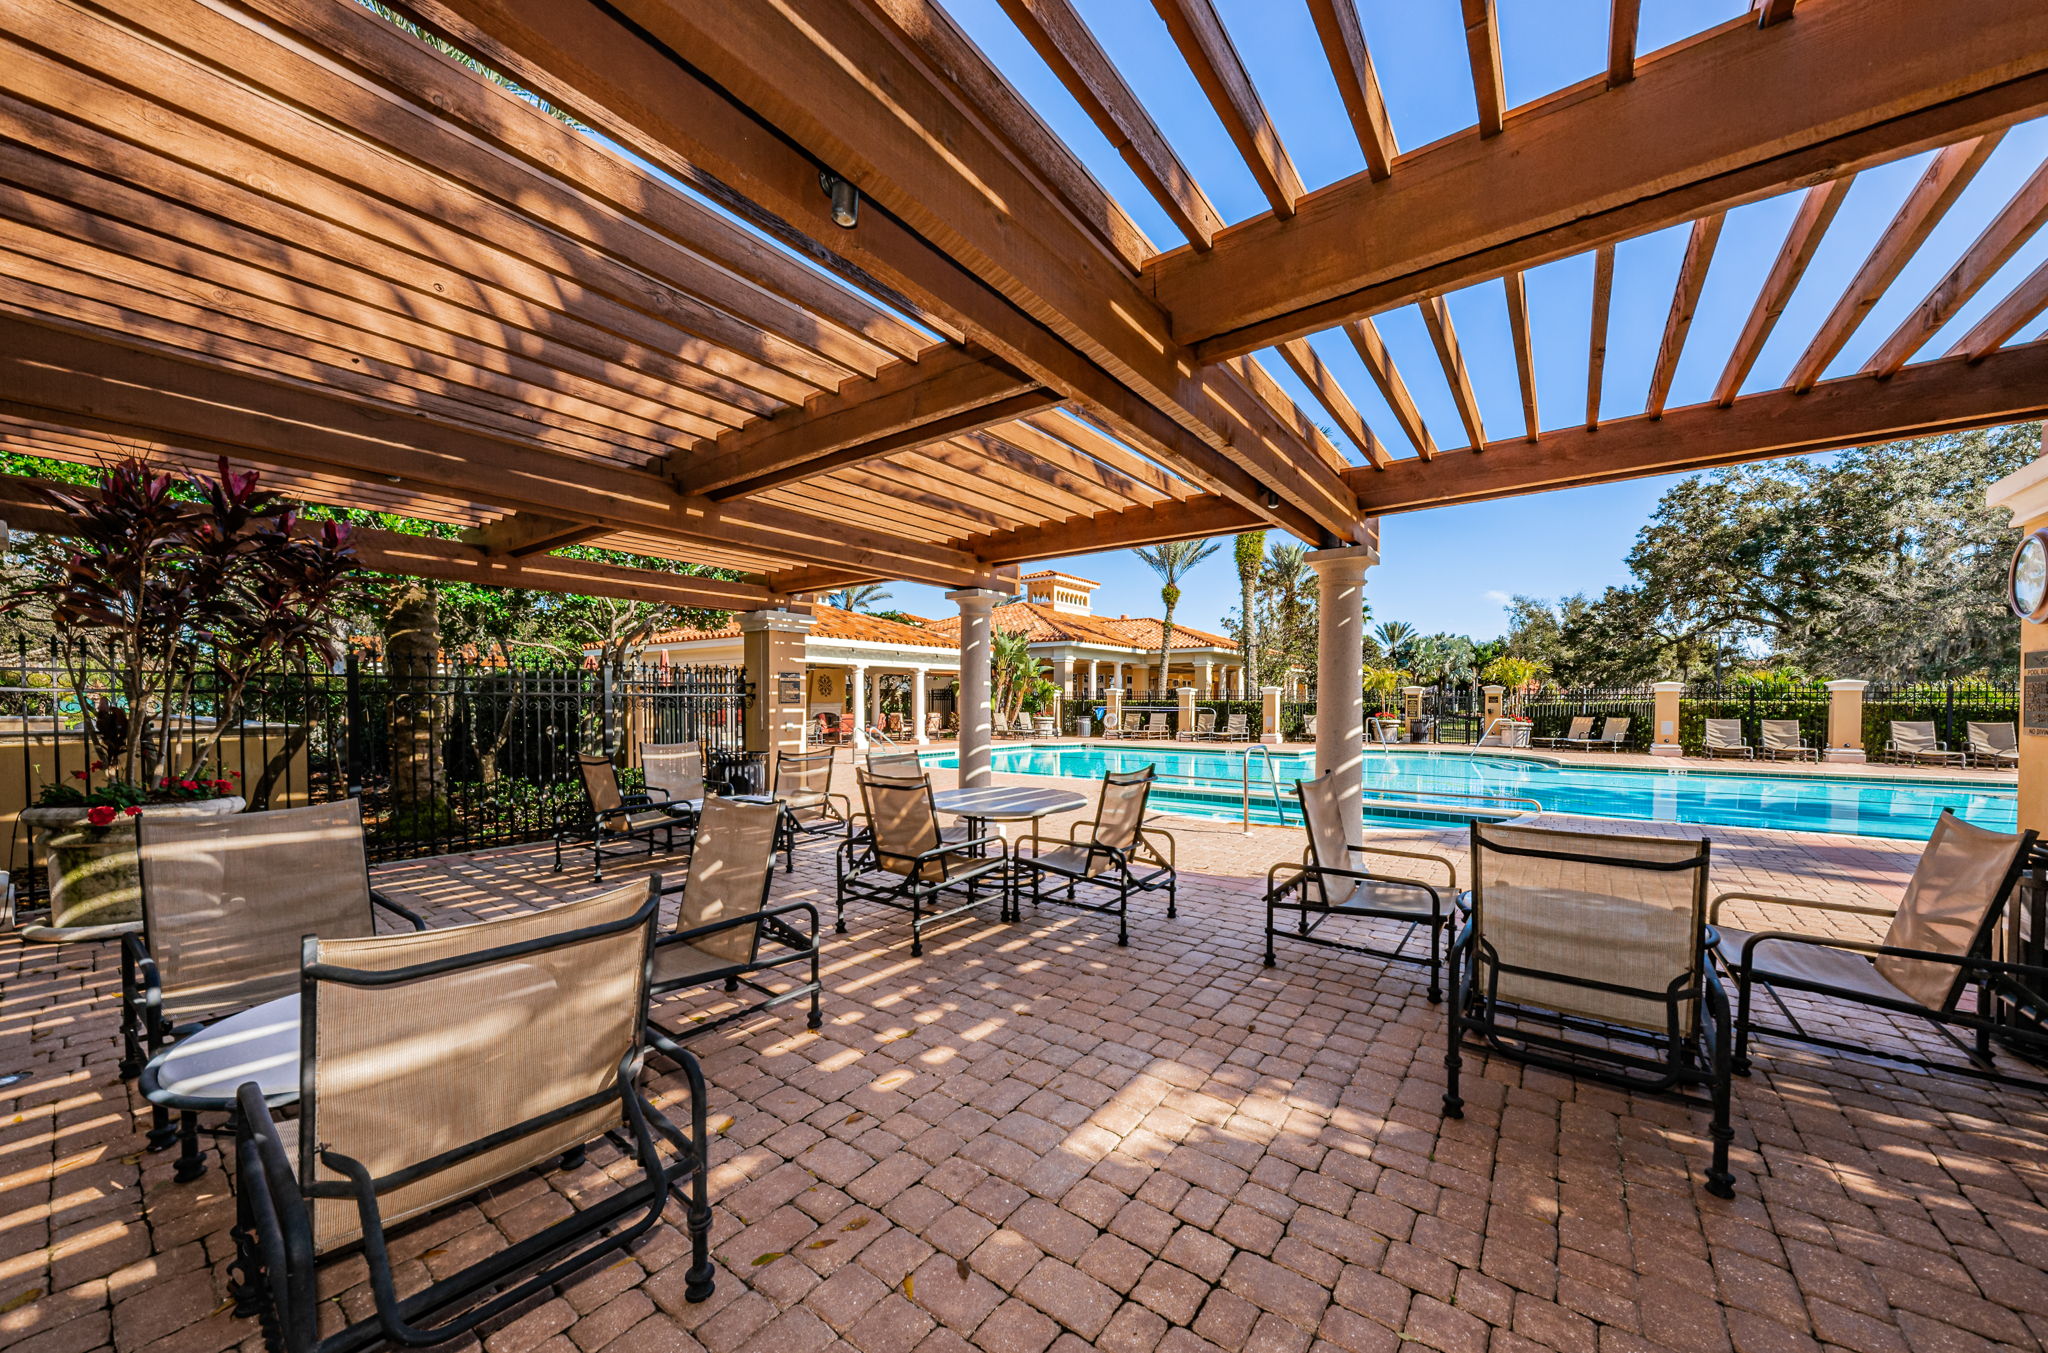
2026,580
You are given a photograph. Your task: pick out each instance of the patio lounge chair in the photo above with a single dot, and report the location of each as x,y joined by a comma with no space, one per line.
1132,727
803,788
612,821
1024,725
1613,736
1994,744
892,724
1308,727
225,903
1937,946
934,725
1581,948
1334,879
1577,734
417,1095
828,731
1915,743
1113,854
1724,738
1783,739
675,770
1155,727
1236,728
724,916
1204,729
903,861
896,765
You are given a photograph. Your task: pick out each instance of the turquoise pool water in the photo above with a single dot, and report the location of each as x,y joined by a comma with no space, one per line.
1207,783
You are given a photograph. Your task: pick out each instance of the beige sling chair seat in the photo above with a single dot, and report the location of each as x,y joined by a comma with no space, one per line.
1936,948
1586,954
1155,726
1114,854
810,810
723,917
436,1066
1579,732
612,822
1204,729
1236,728
902,860
225,903
1994,744
1334,879
675,770
1724,738
1783,739
1914,742
1133,726
901,766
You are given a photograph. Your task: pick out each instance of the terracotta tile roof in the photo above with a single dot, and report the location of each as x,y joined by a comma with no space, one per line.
1045,625
831,623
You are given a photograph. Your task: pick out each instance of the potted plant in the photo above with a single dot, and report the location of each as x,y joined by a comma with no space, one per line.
173,593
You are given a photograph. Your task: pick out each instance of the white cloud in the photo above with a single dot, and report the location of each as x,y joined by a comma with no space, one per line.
1497,597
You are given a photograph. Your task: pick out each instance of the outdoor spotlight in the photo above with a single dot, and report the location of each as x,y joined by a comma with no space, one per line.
845,199
1272,498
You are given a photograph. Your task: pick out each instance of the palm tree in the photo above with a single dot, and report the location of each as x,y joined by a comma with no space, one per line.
1014,671
858,597
1172,560
1249,550
1396,638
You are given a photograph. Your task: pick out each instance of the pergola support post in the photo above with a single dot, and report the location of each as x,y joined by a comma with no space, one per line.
1340,664
977,658
772,647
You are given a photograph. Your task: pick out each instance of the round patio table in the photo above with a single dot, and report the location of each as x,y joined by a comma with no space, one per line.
1001,804
202,1071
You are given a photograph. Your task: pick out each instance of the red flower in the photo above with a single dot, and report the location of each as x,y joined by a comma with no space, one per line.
101,815
187,785
132,811
78,775
236,774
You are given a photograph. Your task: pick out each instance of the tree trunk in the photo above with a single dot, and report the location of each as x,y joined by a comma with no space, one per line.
1250,684
412,641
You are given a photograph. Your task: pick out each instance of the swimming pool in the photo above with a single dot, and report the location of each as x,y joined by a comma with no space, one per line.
1207,783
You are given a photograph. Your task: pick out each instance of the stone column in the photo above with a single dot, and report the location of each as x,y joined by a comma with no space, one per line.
1269,715
2024,493
1208,680
1665,718
1184,699
1845,722
1494,703
857,687
920,678
1340,659
772,647
977,654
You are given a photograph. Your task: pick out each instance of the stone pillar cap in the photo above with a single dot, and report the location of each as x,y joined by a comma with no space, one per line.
792,621
1846,685
1667,685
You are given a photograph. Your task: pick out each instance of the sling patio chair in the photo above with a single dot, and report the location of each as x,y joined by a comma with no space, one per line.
1613,736
1334,879
903,861
1204,729
803,788
676,771
1914,742
1724,738
1936,947
1578,950
935,726
1308,727
1113,855
892,724
895,765
1155,727
435,1067
225,902
723,917
1782,739
1236,728
612,822
1994,744
1133,726
828,732
1579,731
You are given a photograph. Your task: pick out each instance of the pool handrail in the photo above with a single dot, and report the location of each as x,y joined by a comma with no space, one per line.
1245,785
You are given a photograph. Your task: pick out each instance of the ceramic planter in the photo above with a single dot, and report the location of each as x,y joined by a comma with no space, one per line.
95,873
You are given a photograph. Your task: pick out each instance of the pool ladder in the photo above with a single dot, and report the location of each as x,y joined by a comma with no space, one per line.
1245,785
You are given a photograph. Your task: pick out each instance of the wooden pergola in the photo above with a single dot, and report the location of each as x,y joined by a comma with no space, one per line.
622,311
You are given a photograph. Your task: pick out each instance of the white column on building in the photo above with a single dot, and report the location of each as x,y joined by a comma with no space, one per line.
857,686
977,654
1340,658
1207,685
919,676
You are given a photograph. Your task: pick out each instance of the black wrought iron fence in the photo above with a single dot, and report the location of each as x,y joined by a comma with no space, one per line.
1951,706
1551,709
1752,702
465,756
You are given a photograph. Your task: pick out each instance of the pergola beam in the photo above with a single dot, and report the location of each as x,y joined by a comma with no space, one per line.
1731,117
1944,396
1357,82
1809,226
1198,31
949,390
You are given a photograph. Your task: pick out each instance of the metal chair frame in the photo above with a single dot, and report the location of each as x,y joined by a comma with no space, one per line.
591,826
928,876
1119,879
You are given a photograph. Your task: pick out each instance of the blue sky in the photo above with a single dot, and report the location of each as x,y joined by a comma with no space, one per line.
1452,568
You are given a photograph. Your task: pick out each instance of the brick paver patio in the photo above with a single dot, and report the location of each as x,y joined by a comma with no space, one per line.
1033,1139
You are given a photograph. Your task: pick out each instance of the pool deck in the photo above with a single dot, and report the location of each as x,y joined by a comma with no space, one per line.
1031,1139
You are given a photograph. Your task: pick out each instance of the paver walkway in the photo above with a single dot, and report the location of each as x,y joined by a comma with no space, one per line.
1033,1139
